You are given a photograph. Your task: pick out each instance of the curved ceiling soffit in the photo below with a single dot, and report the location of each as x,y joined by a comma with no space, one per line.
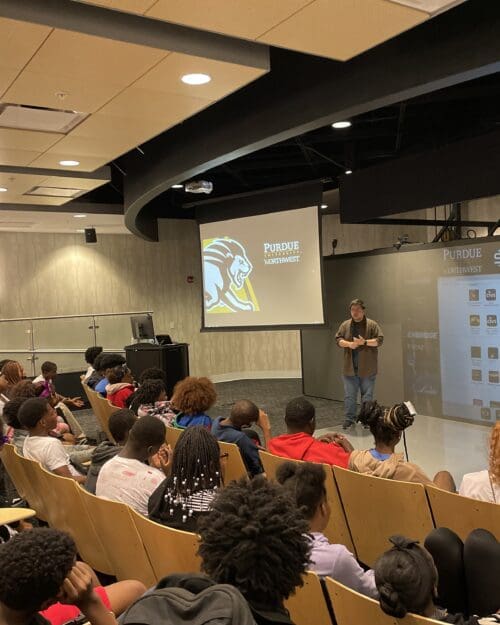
310,94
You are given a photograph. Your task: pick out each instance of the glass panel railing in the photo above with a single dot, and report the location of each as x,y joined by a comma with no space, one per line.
63,333
15,335
113,333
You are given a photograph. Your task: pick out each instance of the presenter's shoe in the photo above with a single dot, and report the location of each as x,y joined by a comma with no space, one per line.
347,425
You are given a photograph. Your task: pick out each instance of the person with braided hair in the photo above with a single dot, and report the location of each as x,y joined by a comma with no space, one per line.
195,477
408,581
151,399
387,426
254,538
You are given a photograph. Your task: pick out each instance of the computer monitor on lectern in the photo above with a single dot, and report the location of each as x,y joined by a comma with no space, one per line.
142,327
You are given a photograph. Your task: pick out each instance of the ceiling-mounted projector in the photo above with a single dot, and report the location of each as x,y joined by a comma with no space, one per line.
199,186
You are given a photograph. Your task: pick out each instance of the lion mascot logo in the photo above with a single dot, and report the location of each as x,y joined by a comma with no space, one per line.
225,268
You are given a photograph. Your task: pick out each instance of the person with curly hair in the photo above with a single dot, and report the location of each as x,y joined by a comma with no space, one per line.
91,354
306,484
409,578
387,426
192,397
254,538
485,485
10,374
151,399
41,583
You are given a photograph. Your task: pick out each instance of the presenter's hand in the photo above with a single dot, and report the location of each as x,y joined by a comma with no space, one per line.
353,345
358,341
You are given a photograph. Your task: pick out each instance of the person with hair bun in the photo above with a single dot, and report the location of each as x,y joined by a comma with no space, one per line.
485,485
408,581
387,426
305,482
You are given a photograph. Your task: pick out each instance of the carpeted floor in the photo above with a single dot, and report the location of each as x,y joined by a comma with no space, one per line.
271,395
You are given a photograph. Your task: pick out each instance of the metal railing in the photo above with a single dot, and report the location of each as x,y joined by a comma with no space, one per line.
57,334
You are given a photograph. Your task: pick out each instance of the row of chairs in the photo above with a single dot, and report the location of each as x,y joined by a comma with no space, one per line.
114,539
101,407
367,510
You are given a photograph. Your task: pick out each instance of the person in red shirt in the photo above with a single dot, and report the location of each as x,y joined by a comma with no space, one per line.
299,444
120,386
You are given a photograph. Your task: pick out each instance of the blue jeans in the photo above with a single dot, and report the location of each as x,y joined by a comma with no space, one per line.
353,385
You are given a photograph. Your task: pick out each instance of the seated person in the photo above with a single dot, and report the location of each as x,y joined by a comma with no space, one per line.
387,425
192,397
244,413
99,371
127,477
194,480
108,362
153,373
485,485
91,354
41,583
15,432
120,385
38,417
120,423
11,374
299,443
47,378
151,399
255,539
408,581
306,485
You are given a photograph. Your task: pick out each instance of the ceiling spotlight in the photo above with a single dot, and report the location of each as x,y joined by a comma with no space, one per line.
69,163
338,125
79,216
324,206
3,189
177,186
348,171
196,79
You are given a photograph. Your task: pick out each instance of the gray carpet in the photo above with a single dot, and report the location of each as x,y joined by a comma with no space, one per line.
271,395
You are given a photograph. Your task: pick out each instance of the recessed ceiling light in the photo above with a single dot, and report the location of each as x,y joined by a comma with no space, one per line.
196,79
69,163
348,171
79,216
177,186
338,125
324,206
3,189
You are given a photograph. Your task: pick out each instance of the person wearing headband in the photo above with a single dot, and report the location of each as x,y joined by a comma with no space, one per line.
360,339
387,426
410,578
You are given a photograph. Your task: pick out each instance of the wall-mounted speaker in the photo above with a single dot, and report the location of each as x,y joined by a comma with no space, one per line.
90,235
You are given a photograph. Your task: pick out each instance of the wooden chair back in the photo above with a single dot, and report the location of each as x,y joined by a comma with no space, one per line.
169,550
462,514
173,435
351,607
337,530
232,465
115,526
68,513
9,457
308,603
35,494
377,508
105,409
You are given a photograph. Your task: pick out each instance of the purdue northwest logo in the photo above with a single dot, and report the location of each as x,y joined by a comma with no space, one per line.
226,271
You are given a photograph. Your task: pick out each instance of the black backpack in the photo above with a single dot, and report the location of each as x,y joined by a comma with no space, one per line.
194,600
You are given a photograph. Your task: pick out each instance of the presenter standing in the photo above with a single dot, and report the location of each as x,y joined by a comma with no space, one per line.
360,338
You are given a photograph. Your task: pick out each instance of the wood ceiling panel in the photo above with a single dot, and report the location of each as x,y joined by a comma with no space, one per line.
7,77
93,59
341,29
114,128
19,41
72,183
226,77
19,158
167,108
17,184
41,89
50,160
129,6
243,18
91,146
27,139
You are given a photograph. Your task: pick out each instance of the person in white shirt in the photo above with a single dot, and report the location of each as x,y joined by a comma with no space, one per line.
485,485
91,354
305,482
38,417
127,477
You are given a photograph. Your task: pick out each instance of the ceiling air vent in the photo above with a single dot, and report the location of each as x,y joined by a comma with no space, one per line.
430,6
54,192
37,118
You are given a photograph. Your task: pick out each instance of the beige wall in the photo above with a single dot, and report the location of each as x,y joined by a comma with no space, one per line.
44,274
